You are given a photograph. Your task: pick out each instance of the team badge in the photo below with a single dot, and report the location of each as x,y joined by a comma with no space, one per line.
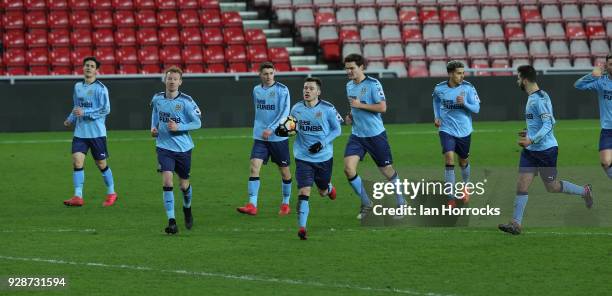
363,91
90,92
272,94
178,107
318,115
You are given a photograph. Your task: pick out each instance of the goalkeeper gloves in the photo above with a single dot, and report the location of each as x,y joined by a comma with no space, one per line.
281,131
316,147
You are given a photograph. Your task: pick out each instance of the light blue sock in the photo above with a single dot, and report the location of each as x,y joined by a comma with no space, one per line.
253,190
187,197
465,173
169,202
398,197
571,188
107,174
360,190
609,172
519,206
449,178
303,210
286,188
78,178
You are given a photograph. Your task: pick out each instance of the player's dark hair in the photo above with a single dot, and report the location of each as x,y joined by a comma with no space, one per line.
315,80
93,59
355,57
609,56
174,69
453,65
266,65
527,72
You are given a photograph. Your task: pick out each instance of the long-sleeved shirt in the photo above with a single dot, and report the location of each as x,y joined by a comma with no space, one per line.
603,86
93,99
272,106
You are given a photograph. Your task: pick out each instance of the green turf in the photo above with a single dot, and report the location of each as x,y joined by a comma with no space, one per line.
567,250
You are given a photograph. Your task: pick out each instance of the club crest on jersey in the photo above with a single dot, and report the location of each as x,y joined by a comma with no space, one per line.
363,91
318,115
272,94
90,92
178,107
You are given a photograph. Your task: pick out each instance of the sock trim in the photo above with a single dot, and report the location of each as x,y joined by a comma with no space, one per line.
303,197
450,167
287,181
168,188
77,169
105,169
253,178
353,178
521,193
186,190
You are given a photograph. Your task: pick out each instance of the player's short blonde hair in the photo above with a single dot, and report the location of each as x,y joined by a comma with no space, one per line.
174,69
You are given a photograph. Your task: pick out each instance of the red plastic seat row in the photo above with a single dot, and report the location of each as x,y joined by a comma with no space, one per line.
19,5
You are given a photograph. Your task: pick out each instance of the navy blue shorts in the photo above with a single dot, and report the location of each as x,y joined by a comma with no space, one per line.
461,146
97,146
278,151
318,172
544,162
377,146
605,139
171,161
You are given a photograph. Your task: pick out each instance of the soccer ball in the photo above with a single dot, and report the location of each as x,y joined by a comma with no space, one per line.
290,125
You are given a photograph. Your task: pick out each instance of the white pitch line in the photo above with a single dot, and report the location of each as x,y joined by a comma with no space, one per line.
47,230
150,139
222,275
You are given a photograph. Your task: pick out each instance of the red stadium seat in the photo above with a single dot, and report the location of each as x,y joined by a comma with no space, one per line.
148,55
166,4
147,36
150,69
429,14
282,67
450,15
409,15
79,4
16,71
61,70
531,13
167,18
36,38
255,36
36,19
231,19
103,37
13,5
209,4
170,55
257,53
145,4
38,56
80,19
215,68
81,37
59,20
127,69
514,31
331,52
39,70
412,33
233,36
77,70
124,18
187,4
193,54
575,31
107,69
123,5
102,19
501,64
13,20
169,36
101,4
146,18
191,36
35,5
349,35
235,53
194,68
125,37
189,18
14,38
479,64
278,55
418,69
595,30
127,55
212,36
78,54
60,56
106,55
57,4
210,18
214,54
237,68
59,38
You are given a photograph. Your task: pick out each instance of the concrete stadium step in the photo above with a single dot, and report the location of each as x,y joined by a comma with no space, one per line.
232,6
303,60
295,50
256,24
280,42
248,15
272,33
